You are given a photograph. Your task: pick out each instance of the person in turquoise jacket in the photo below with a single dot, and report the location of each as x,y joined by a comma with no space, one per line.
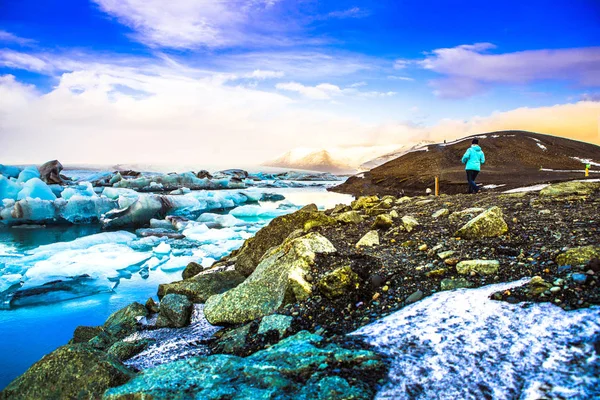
473,159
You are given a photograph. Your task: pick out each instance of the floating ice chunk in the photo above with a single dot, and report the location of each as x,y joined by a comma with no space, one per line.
212,235
8,188
83,189
163,248
99,261
36,189
83,209
34,210
10,171
118,237
250,211
139,213
28,173
115,193
160,224
219,220
9,280
177,263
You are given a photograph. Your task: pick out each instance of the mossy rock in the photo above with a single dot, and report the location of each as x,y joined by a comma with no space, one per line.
365,202
489,223
271,236
277,281
578,255
570,188
191,270
75,371
319,219
338,282
383,221
200,287
410,223
125,350
84,334
370,238
299,367
175,311
349,217
123,322
481,267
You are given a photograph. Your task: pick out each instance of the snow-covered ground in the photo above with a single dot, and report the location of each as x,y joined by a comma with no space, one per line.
462,345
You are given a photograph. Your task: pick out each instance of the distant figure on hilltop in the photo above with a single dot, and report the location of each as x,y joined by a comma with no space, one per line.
473,159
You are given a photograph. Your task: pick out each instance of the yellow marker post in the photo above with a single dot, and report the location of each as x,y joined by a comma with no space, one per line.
437,186
587,169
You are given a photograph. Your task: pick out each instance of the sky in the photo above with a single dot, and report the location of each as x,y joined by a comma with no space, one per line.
233,83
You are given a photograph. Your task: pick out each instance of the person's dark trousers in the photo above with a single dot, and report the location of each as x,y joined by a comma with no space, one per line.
471,175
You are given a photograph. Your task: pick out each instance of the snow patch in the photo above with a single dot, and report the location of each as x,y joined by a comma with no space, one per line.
534,188
461,344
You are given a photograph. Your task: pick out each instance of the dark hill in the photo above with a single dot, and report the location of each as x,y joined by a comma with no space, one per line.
513,159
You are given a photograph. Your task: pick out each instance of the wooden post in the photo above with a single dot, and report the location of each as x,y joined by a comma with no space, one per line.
437,186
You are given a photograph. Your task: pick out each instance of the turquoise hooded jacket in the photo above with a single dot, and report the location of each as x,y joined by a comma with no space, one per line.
473,157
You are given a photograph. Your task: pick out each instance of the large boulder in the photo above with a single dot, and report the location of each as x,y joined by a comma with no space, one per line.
489,223
319,219
200,287
74,371
383,221
298,367
123,322
276,281
192,269
175,311
365,202
84,334
338,282
125,350
578,255
481,267
571,188
50,172
270,236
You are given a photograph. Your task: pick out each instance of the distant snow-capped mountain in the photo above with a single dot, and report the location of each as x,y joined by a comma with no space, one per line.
339,160
398,152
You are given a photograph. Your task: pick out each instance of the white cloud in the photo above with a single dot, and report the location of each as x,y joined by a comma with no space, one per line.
354,12
12,38
400,78
193,23
18,60
401,63
466,68
327,91
358,84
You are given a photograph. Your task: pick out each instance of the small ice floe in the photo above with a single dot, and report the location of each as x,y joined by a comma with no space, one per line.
462,345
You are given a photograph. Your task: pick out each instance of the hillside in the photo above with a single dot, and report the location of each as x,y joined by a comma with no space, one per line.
320,160
376,162
513,159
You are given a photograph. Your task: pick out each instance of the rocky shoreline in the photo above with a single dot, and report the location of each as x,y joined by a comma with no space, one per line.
290,295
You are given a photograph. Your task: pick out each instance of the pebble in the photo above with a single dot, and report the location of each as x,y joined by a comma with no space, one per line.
376,296
555,289
385,288
579,278
423,247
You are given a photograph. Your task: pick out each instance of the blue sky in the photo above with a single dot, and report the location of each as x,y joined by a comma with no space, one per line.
277,74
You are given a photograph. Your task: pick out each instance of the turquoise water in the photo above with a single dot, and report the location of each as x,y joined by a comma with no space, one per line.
28,333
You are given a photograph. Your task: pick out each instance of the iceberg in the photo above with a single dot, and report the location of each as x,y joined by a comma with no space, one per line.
254,211
33,210
220,220
83,189
86,209
162,248
9,171
137,214
28,173
35,188
8,188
